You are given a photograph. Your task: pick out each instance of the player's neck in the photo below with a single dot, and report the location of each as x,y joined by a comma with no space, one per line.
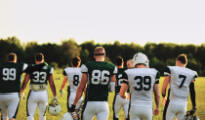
37,62
99,59
120,66
12,61
141,66
181,65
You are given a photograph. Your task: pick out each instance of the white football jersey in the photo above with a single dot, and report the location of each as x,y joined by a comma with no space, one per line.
74,77
141,82
180,80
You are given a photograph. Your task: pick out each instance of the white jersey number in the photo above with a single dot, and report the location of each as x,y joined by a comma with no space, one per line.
120,80
9,74
100,77
39,77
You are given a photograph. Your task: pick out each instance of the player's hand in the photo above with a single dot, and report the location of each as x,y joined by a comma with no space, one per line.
72,108
128,96
156,111
61,93
164,100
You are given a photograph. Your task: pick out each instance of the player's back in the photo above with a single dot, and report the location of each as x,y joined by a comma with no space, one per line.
74,76
181,78
141,82
119,79
10,77
41,76
99,77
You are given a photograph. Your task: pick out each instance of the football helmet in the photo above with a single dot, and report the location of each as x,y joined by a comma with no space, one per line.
67,116
140,58
54,107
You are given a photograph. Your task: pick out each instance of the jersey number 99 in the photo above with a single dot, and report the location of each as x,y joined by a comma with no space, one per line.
100,77
9,74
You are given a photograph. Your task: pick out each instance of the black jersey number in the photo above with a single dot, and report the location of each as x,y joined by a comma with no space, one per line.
143,83
183,80
75,80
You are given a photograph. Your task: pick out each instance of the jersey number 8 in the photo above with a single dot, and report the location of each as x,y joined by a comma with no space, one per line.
100,77
75,80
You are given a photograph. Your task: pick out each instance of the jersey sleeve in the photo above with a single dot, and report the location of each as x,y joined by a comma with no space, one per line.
195,76
167,71
125,78
24,67
51,71
115,70
157,78
84,68
64,73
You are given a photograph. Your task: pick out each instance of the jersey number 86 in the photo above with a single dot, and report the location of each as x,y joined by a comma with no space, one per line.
100,77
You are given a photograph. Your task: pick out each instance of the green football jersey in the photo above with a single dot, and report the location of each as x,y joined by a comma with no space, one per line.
41,76
99,77
10,76
119,79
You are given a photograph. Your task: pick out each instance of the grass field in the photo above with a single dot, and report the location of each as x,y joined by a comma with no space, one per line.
200,92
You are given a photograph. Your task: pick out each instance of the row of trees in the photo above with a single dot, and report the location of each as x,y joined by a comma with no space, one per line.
60,55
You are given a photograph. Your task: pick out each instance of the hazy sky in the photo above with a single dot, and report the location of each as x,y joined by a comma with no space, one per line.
139,21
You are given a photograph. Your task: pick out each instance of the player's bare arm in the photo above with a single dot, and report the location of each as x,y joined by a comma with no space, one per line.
123,90
193,96
81,88
26,79
65,79
164,87
52,85
157,98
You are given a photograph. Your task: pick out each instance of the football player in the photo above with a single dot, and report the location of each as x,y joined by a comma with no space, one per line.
142,81
73,75
118,101
38,95
129,63
180,80
10,80
100,78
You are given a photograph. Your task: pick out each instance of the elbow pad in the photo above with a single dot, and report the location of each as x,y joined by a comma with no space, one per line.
112,86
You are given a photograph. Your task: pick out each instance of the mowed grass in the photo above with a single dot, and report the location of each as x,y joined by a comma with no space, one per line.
200,98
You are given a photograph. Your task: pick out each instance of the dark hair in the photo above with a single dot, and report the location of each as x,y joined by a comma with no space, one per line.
39,57
182,58
119,61
76,61
12,56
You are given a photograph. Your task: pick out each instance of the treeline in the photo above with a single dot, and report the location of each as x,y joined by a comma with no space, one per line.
60,55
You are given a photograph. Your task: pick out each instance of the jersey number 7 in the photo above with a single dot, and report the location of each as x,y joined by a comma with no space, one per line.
183,80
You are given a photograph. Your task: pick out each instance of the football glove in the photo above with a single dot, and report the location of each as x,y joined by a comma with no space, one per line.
72,108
